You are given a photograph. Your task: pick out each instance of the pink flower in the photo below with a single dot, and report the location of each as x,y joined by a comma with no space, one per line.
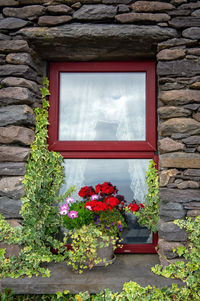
69,200
88,207
94,197
63,212
64,209
73,214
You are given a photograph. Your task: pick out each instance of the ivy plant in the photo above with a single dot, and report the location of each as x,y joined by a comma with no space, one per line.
41,221
149,215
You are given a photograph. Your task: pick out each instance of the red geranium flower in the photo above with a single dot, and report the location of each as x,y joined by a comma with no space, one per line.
133,207
86,192
96,206
97,188
111,201
105,188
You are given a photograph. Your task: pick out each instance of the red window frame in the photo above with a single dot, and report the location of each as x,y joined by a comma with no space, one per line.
106,149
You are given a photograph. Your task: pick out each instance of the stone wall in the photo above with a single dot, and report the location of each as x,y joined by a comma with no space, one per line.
33,32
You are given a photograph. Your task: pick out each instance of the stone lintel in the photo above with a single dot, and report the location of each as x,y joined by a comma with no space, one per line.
97,41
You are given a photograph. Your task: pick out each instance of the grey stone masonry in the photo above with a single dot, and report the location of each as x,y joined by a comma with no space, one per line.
34,32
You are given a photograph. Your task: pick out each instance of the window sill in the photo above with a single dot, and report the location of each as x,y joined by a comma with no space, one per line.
127,267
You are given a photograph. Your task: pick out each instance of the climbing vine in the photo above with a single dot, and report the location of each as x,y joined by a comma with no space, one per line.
149,215
41,221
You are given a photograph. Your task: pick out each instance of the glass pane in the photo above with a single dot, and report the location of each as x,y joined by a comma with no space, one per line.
127,174
102,106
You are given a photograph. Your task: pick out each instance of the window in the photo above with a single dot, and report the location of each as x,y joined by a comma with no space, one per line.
103,121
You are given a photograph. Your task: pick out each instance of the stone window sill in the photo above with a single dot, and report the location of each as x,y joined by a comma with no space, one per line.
127,267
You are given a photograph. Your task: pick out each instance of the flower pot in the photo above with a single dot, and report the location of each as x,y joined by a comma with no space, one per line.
106,254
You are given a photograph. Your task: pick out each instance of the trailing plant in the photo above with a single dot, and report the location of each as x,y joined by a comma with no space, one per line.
41,221
85,244
188,270
149,214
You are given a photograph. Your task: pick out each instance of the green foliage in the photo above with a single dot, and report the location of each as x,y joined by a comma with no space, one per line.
85,242
111,222
148,216
188,270
41,221
84,216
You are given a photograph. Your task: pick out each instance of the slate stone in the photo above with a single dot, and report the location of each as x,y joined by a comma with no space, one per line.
76,5
120,272
196,13
171,232
175,42
17,115
53,20
179,136
12,169
179,97
116,1
12,187
18,70
179,125
26,12
94,31
195,86
192,172
59,9
12,23
184,22
179,12
95,12
192,106
171,54
20,82
196,116
9,3
190,5
14,153
188,184
11,250
120,41
166,248
173,112
180,196
4,37
16,134
192,33
139,17
180,160
14,46
21,59
176,68
193,213
192,140
192,205
171,215
34,1
167,145
122,8
151,6
166,175
2,58
10,208
16,95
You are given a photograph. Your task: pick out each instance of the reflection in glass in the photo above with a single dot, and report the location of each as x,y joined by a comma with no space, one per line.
102,106
127,174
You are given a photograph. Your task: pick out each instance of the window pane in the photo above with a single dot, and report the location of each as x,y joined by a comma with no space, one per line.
102,106
127,174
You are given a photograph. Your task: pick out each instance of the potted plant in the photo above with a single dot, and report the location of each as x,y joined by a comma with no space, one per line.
94,225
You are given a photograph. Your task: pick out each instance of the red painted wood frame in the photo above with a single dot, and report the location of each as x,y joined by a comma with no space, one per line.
106,149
